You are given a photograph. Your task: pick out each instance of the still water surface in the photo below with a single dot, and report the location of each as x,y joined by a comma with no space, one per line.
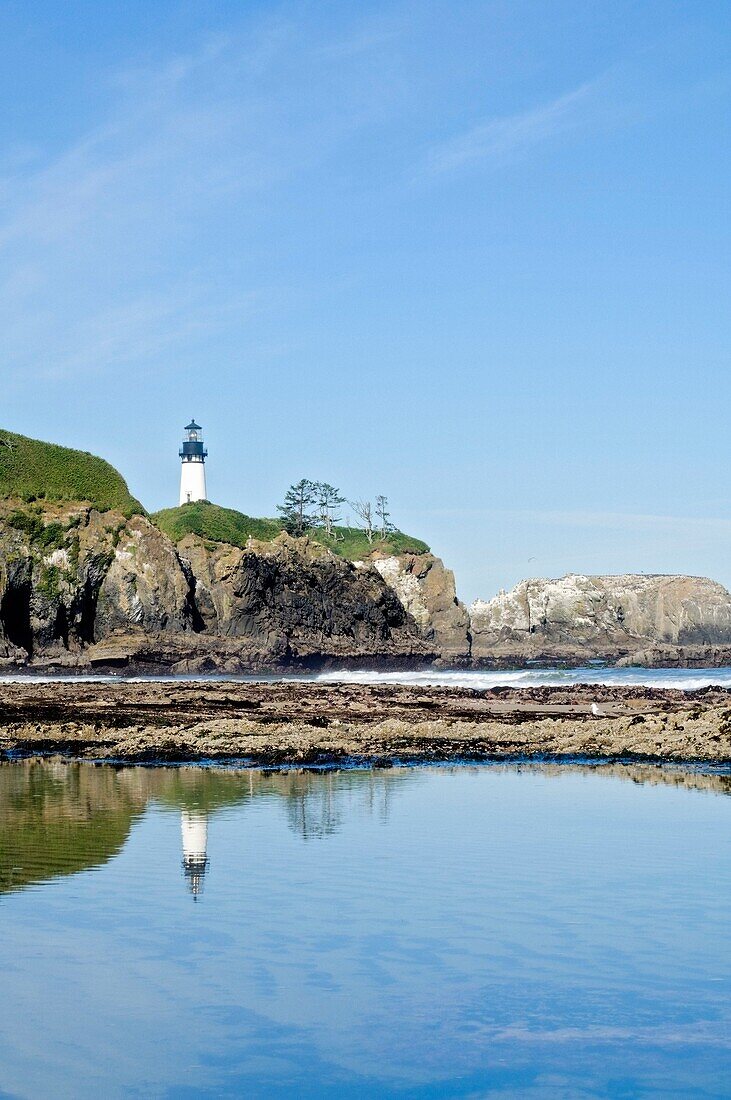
503,931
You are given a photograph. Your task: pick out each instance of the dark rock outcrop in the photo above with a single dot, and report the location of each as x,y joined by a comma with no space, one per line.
293,598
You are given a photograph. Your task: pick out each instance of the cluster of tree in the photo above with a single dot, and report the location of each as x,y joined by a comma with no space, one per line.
315,504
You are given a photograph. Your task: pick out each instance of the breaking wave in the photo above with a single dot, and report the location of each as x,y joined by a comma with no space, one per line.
684,679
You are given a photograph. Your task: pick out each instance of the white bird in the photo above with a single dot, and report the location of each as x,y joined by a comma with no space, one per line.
597,711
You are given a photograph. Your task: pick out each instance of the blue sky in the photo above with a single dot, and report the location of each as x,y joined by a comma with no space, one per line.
474,256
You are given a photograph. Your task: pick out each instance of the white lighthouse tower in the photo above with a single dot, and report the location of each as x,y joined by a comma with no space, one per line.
193,474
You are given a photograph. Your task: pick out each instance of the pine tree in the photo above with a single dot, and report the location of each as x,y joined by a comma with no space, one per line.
296,512
384,515
328,502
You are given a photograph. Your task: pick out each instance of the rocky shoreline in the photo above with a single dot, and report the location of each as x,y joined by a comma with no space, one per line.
83,590
308,724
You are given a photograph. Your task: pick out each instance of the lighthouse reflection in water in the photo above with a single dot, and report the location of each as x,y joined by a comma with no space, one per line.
194,829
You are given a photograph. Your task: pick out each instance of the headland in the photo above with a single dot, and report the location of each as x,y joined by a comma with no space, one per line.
90,582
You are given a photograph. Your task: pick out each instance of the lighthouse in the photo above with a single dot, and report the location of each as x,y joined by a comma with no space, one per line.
194,829
193,474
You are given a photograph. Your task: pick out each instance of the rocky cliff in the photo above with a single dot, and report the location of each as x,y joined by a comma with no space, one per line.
80,587
70,576
426,589
628,617
293,598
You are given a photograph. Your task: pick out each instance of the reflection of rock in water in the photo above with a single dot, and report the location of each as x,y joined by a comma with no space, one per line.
312,810
654,775
194,829
57,819
317,805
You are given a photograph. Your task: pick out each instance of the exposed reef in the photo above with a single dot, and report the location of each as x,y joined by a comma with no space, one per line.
306,724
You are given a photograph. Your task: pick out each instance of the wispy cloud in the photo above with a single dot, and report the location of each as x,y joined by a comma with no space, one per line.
501,138
138,236
93,273
141,329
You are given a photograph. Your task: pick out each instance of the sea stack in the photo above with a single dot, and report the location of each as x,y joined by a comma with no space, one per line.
193,473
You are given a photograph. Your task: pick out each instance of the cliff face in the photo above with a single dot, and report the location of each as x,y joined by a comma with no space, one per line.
71,575
81,587
579,617
427,590
293,598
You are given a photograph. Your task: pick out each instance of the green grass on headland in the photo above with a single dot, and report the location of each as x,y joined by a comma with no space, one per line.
352,543
210,521
215,523
32,470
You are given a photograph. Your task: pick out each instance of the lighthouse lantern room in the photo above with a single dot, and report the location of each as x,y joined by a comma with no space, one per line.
193,474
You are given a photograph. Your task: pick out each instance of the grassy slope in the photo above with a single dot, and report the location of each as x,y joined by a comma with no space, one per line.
226,525
33,470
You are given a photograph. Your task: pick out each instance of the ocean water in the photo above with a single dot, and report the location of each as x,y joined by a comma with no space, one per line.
685,679
502,931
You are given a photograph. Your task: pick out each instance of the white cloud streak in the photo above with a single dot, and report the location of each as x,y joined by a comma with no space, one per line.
499,139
